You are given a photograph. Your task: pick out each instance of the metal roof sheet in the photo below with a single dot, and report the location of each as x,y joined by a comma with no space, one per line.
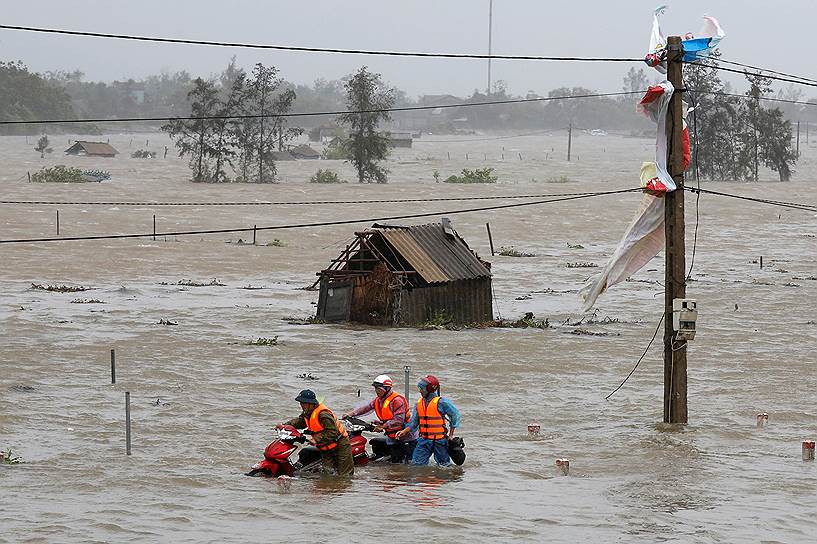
95,148
436,257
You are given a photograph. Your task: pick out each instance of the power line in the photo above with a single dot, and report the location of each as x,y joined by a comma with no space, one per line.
320,224
614,391
313,113
780,203
762,69
315,49
744,97
743,72
537,133
291,203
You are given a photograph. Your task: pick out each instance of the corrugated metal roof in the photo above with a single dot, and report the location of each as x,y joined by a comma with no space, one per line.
437,258
95,148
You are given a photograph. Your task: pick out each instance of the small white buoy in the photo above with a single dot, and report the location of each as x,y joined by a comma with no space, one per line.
563,465
533,429
808,450
762,419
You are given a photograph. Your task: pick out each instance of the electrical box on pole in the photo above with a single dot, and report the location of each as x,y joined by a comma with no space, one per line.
684,318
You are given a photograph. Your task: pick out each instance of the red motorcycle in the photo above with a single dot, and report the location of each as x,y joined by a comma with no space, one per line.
279,453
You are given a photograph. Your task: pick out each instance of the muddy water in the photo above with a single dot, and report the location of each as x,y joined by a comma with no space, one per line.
205,402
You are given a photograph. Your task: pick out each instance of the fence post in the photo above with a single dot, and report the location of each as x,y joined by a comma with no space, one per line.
58,222
113,366
490,238
127,423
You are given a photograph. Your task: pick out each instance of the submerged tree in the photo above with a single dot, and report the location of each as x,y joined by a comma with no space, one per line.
194,137
42,146
265,100
366,93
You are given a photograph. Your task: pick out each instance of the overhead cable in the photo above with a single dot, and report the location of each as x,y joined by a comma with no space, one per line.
758,68
744,72
315,49
314,113
285,203
318,224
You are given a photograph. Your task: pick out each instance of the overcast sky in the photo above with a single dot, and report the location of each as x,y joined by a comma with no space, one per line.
775,34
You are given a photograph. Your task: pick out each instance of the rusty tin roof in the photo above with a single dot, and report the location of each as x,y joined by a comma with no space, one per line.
436,257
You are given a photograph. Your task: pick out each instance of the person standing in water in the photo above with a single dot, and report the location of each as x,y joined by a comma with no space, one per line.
429,416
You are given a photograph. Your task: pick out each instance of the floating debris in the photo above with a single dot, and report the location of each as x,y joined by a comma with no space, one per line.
528,321
806,278
790,284
308,376
524,297
87,301
264,341
312,320
585,332
167,322
60,288
581,264
252,288
511,251
8,458
190,283
22,388
574,246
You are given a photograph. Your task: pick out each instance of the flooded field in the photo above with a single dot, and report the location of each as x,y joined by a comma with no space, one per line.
204,402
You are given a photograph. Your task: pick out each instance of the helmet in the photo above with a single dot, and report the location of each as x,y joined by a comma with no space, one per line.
433,383
382,381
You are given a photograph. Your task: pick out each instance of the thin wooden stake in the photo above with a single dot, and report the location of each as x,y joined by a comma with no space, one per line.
254,232
569,140
127,423
113,366
58,222
407,371
490,238
154,227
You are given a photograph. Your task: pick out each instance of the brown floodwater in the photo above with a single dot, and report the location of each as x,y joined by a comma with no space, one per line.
204,402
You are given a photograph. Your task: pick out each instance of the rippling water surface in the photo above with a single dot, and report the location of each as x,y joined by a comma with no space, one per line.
204,402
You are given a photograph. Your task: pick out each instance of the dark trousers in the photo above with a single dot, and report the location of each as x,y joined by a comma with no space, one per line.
340,458
401,451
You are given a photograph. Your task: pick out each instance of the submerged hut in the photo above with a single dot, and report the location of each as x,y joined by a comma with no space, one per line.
92,149
406,275
304,151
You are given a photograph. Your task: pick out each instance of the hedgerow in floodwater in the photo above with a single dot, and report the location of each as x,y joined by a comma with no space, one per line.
480,175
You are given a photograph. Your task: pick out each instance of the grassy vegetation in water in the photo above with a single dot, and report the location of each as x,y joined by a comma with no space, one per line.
511,251
480,175
60,288
326,176
264,341
8,458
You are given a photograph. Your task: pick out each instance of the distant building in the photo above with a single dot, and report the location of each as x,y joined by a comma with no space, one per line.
92,149
401,139
304,151
396,275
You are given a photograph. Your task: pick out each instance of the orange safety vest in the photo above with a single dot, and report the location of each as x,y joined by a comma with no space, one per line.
432,424
382,407
314,426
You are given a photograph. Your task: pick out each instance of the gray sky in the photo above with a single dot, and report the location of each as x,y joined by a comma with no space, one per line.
770,34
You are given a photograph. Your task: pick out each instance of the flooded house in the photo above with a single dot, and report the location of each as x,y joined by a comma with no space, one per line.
91,149
404,276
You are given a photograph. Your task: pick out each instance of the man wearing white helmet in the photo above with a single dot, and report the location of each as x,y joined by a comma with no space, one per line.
393,413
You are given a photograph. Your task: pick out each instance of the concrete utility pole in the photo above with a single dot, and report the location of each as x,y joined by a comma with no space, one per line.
675,352
490,36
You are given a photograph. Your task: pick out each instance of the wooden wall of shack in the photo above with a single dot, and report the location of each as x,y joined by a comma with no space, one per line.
464,301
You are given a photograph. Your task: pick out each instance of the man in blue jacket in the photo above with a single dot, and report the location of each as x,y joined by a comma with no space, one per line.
436,418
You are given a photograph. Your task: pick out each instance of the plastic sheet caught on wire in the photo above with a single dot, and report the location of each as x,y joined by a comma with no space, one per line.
696,47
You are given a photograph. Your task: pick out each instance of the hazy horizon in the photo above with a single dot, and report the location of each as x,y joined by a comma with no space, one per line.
595,29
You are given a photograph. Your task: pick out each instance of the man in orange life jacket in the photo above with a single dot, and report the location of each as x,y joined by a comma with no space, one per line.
429,417
393,413
328,434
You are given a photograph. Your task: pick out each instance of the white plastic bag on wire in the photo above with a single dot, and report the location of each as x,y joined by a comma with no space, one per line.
642,241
